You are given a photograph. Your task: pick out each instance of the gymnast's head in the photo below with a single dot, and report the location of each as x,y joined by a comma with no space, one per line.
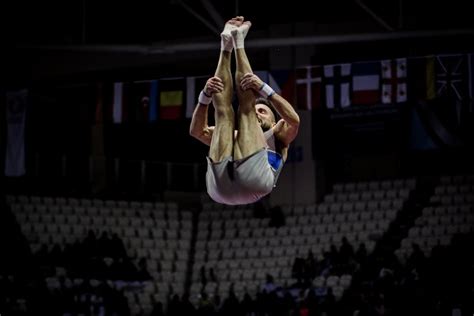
266,114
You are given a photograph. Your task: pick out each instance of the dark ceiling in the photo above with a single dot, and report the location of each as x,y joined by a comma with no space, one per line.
143,22
96,33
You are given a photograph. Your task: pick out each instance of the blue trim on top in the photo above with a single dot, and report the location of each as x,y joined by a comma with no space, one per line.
274,159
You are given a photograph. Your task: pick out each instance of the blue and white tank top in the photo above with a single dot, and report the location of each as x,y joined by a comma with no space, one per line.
275,158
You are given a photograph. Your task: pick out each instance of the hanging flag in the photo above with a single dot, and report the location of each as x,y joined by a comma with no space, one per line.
337,85
139,101
420,138
452,84
97,130
104,112
451,77
99,103
171,98
470,69
394,77
366,83
191,101
264,75
16,102
117,105
420,82
283,82
430,78
194,86
153,109
308,87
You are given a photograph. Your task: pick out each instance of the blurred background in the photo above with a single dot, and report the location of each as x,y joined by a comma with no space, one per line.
104,205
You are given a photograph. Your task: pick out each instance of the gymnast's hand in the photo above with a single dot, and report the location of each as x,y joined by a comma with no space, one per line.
251,81
214,85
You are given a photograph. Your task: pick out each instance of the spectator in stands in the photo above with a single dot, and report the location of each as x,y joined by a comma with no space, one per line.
75,258
104,245
417,258
187,308
157,309
321,291
328,304
269,285
108,297
231,305
247,304
361,254
326,265
100,270
205,305
275,305
244,162
42,255
115,270
56,255
385,281
217,303
297,270
118,248
212,275
68,255
174,306
301,304
90,244
277,218
309,268
202,275
346,251
312,302
142,273
129,269
288,302
334,256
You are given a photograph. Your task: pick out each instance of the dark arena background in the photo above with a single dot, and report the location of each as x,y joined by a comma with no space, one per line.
104,209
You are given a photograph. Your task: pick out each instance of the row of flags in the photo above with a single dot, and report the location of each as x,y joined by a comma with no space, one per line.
390,81
337,86
149,100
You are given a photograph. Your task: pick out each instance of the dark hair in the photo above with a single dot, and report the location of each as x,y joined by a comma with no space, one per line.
270,105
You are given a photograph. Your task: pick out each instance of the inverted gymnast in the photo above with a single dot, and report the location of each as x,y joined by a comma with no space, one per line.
245,157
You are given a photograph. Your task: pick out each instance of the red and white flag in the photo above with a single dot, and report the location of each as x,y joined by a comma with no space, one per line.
394,80
366,83
308,87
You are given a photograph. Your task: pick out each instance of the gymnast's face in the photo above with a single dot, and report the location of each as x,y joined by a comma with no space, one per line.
265,116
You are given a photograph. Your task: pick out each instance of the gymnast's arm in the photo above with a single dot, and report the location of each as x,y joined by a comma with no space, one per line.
199,128
287,128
